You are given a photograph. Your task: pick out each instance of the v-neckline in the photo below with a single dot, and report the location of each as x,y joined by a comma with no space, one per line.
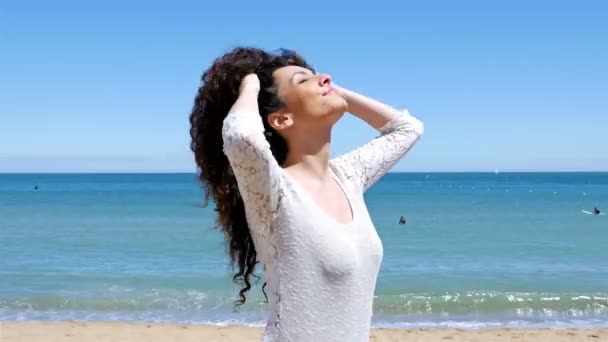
308,198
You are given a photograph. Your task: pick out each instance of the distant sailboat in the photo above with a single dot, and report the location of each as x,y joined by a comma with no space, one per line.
496,171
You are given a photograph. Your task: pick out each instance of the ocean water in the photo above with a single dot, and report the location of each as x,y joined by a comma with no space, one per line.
478,250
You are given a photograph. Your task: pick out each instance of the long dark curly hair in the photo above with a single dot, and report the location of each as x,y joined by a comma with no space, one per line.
216,95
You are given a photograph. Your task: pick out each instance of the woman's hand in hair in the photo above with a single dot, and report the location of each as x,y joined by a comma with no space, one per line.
248,95
250,83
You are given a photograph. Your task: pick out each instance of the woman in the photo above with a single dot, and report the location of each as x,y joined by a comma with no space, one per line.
261,132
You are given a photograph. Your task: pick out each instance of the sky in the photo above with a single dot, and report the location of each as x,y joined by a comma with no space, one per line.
107,86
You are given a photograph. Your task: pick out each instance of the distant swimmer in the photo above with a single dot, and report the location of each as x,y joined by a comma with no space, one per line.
35,188
595,212
402,220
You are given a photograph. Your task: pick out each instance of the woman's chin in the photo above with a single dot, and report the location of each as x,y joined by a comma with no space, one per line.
335,115
333,110
339,105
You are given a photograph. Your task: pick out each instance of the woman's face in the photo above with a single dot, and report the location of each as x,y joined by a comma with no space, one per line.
309,99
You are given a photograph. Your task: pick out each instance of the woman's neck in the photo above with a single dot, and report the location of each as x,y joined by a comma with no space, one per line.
309,154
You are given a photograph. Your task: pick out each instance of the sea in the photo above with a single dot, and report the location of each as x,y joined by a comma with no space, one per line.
478,250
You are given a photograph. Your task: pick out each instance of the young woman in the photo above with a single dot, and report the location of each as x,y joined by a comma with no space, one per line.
261,131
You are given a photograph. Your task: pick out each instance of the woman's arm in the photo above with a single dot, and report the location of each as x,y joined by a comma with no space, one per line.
400,131
375,113
255,168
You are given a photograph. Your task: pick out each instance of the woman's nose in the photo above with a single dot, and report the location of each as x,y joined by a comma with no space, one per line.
324,80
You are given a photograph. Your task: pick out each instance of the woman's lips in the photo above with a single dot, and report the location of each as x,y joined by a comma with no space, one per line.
329,92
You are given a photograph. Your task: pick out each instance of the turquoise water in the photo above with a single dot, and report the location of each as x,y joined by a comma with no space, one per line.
478,250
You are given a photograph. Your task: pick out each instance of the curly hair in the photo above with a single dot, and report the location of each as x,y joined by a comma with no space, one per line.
216,95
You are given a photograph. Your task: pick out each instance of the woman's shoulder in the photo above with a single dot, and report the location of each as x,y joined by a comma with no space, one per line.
344,173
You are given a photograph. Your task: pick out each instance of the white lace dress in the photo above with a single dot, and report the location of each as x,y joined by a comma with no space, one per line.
320,274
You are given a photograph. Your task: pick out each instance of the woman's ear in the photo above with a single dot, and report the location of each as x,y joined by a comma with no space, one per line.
280,121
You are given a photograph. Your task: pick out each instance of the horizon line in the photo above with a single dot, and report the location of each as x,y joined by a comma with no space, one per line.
193,172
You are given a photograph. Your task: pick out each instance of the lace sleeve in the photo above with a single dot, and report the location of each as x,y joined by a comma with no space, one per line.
368,163
255,168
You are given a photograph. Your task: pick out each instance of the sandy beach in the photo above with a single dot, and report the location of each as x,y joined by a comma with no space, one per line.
135,332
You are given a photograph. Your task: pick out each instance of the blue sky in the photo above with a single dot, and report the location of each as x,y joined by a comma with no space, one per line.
107,86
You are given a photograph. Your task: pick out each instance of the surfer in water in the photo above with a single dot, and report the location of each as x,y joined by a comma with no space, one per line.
402,220
596,211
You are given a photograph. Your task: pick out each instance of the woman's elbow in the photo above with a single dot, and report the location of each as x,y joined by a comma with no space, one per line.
418,127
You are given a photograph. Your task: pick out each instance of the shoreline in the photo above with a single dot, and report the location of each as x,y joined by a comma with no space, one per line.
93,331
